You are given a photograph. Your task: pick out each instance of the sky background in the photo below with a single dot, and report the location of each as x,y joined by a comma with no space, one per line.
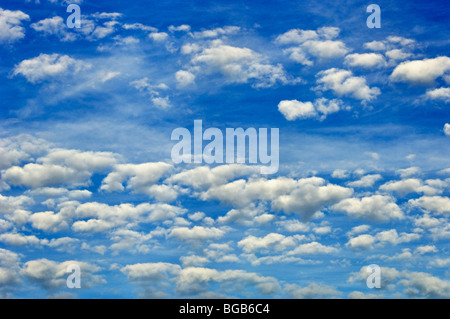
86,117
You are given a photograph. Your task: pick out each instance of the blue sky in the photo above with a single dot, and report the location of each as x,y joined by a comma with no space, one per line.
85,149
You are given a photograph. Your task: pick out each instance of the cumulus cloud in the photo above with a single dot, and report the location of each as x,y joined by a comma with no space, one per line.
54,26
196,233
237,65
52,275
204,177
312,43
413,185
184,78
293,109
435,204
47,66
447,129
60,167
365,60
439,94
140,178
11,29
251,244
374,208
421,72
366,181
343,83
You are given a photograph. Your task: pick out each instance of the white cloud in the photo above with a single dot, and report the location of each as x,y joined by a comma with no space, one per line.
397,54
375,208
183,27
47,66
343,83
439,94
52,275
238,65
358,230
196,233
312,43
365,60
426,249
391,236
340,173
312,248
158,36
214,33
54,26
411,185
421,72
408,172
375,46
447,129
139,26
366,181
138,177
204,177
58,167
184,78
275,241
436,204
48,221
10,25
361,242
423,285
293,109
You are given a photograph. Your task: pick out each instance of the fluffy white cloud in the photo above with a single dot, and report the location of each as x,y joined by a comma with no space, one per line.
366,181
421,72
196,233
365,60
397,54
375,208
439,94
361,242
238,65
10,25
59,167
149,271
48,221
47,66
412,185
103,216
293,109
312,43
251,244
52,275
54,26
447,129
436,204
343,83
214,33
184,78
158,36
423,285
312,248
204,177
140,178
